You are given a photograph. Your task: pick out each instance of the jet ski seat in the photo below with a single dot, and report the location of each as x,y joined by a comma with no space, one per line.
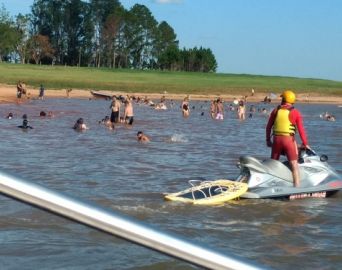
269,166
277,168
253,163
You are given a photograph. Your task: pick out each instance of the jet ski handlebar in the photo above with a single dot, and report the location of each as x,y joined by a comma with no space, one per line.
306,151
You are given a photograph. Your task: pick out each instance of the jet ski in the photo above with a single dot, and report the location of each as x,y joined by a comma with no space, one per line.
273,179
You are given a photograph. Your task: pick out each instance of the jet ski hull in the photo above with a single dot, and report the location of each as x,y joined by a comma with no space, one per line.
290,194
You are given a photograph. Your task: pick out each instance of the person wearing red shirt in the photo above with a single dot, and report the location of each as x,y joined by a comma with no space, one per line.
284,121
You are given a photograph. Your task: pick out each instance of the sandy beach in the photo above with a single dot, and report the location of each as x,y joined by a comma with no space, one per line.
8,95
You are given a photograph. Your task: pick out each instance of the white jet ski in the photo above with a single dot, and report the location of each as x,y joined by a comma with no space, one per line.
273,179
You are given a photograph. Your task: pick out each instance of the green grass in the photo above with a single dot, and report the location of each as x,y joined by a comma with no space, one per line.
124,80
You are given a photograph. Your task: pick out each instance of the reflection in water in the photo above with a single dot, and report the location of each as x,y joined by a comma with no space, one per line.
113,170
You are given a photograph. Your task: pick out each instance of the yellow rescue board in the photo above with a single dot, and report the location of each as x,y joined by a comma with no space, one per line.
209,192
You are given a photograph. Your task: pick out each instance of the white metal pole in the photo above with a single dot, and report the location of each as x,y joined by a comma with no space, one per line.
115,224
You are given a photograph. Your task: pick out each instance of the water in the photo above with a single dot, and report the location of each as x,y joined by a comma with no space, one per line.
113,170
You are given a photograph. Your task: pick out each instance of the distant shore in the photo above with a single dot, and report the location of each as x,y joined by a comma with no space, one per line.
8,95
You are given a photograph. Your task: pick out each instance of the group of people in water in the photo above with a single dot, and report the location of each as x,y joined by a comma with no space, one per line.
117,116
217,109
122,112
283,123
25,124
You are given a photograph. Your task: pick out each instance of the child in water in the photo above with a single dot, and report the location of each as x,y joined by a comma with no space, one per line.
80,125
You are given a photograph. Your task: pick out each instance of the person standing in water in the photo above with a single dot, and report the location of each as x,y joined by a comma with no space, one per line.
220,109
115,106
128,115
185,107
285,120
19,91
241,110
41,92
213,108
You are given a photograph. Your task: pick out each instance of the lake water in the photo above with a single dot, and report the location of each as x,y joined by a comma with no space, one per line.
113,170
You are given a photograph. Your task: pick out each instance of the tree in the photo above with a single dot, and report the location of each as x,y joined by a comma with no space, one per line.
22,26
8,34
141,34
101,10
103,33
48,17
75,31
110,35
39,47
207,61
198,60
169,58
166,46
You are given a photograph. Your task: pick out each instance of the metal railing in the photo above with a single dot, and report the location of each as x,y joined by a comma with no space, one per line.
118,225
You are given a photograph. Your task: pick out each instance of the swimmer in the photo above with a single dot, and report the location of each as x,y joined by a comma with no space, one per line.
108,123
327,116
105,120
25,125
231,107
9,116
141,137
42,114
160,106
264,111
331,118
80,125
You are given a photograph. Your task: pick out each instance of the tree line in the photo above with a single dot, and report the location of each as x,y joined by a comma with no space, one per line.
97,33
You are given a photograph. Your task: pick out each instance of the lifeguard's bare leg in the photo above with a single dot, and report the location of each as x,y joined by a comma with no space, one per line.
295,173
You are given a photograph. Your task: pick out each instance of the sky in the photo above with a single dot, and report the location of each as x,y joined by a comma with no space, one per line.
297,38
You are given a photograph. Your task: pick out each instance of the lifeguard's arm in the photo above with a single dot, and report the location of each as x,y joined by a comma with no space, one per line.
270,125
298,119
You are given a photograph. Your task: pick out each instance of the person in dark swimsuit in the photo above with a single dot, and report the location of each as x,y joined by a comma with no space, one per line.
25,125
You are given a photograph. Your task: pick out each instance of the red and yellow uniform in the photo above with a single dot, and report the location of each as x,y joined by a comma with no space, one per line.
285,120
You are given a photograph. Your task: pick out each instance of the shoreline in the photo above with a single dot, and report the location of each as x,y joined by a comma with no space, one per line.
8,95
